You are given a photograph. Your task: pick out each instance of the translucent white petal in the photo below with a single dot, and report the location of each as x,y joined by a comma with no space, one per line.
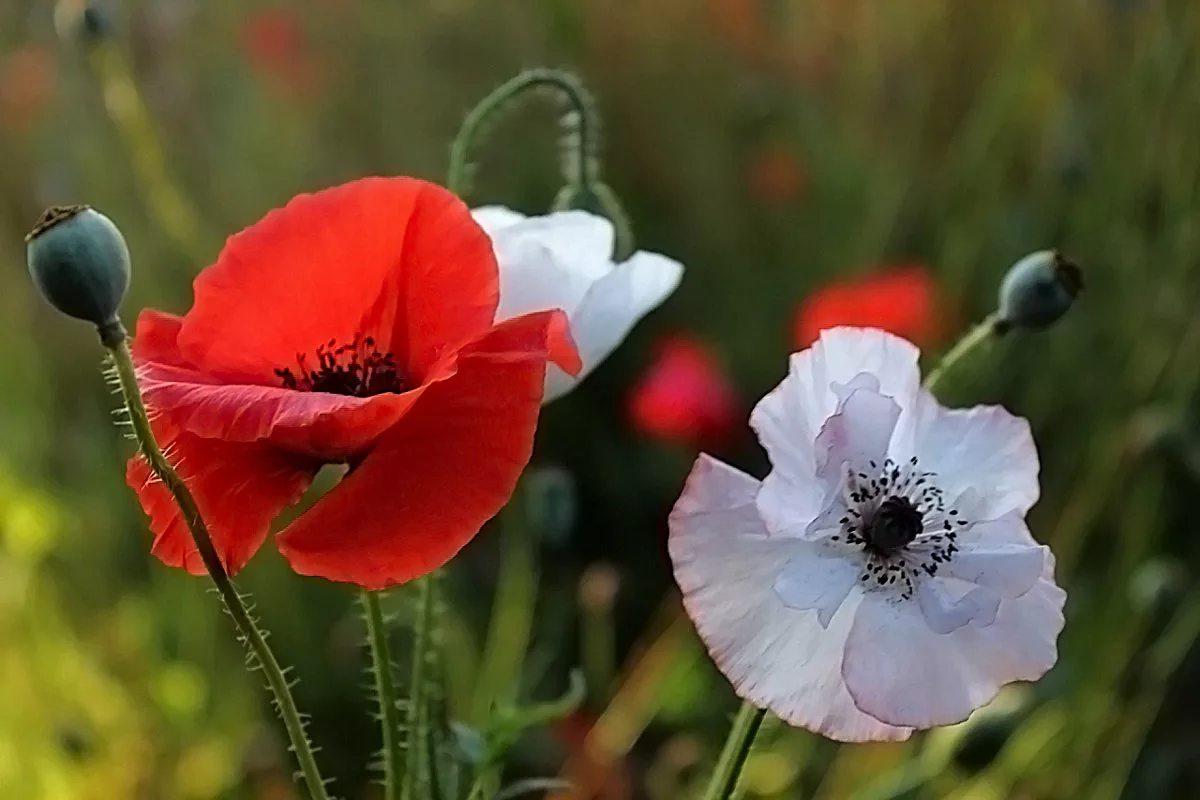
985,448
944,613
533,279
776,657
856,435
494,219
581,242
902,672
788,419
818,578
1009,569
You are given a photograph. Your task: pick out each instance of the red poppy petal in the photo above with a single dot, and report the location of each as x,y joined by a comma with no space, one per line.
239,488
446,468
322,266
157,337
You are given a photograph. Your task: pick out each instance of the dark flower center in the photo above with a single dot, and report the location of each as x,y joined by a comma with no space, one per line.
356,369
896,523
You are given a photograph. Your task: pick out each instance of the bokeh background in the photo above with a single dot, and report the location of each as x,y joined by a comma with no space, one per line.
809,161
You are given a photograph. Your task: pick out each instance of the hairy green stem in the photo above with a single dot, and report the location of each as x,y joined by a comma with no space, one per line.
580,165
975,337
415,715
735,752
385,692
114,338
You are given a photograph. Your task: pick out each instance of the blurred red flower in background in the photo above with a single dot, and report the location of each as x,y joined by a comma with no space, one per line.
27,78
901,300
684,396
775,175
277,46
355,326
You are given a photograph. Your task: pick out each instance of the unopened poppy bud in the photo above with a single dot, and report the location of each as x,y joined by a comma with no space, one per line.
597,198
551,502
1038,290
79,262
83,20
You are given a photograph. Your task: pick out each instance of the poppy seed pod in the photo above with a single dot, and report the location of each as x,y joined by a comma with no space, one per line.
86,21
1038,290
79,262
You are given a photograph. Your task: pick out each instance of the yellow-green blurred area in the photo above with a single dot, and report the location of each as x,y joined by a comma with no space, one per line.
770,145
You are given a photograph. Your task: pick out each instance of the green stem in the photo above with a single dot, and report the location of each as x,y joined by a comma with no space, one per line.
414,714
114,338
975,337
512,615
385,692
580,165
733,755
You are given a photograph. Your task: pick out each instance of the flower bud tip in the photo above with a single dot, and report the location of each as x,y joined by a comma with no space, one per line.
1037,291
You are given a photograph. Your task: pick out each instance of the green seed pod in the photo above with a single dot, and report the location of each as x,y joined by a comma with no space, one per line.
79,262
597,198
86,21
1038,290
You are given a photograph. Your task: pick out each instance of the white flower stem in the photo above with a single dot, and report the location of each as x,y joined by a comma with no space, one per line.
981,333
737,748
580,164
255,640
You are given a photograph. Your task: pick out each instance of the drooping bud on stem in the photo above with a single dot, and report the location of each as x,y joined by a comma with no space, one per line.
79,262
1037,291
87,21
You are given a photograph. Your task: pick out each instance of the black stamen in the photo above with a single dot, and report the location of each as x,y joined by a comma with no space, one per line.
356,369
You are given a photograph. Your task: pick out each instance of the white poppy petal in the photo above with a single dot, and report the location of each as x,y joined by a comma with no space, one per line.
983,448
856,435
494,219
944,614
902,672
775,657
615,303
1010,570
533,279
817,580
789,418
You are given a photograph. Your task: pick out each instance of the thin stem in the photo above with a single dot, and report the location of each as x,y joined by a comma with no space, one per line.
385,692
512,615
580,165
414,713
114,338
164,200
975,337
733,755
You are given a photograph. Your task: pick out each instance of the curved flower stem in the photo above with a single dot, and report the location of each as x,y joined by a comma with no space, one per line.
123,101
733,755
975,337
115,340
580,165
385,691
415,718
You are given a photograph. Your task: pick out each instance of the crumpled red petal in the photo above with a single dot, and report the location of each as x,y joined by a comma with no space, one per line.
328,427
445,468
239,488
398,254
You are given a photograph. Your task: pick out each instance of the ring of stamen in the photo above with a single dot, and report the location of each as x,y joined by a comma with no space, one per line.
356,369
898,516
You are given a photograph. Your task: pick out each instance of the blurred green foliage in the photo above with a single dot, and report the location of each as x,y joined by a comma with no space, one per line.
769,145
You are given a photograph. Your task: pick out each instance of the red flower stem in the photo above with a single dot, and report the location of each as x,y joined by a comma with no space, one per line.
975,337
385,693
737,748
580,164
116,342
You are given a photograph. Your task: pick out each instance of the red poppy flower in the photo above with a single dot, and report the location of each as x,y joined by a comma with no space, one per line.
902,300
276,45
354,326
684,396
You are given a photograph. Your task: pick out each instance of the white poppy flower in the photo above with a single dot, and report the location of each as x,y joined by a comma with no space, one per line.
881,578
565,260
